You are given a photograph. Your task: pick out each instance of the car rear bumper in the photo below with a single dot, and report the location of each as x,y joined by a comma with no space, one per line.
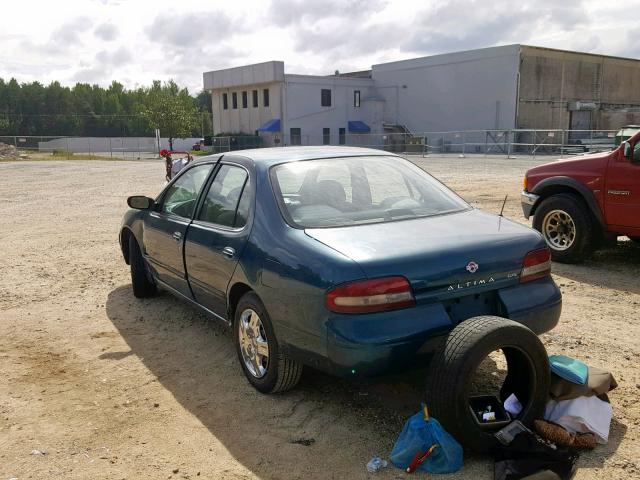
528,200
362,345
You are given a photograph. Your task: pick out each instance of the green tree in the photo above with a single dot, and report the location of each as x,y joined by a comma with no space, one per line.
203,103
170,109
92,110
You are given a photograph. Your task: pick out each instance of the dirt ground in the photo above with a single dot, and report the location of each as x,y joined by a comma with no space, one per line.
114,387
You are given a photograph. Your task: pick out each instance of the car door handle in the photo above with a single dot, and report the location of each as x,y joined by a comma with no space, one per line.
228,252
177,236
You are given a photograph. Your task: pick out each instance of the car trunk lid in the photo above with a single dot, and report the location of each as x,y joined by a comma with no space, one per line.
443,257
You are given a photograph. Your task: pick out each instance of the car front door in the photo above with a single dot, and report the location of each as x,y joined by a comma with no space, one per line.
623,188
217,236
166,226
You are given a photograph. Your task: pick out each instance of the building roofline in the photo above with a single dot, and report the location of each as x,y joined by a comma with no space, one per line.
486,50
437,59
243,66
559,50
450,56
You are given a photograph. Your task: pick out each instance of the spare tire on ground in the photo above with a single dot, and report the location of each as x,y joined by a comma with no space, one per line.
455,363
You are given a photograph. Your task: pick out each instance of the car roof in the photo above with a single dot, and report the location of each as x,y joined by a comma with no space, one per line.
275,155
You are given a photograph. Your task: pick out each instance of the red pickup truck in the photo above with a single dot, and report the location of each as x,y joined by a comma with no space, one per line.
585,202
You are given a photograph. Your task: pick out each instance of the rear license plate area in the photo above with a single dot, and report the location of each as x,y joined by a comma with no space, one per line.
463,308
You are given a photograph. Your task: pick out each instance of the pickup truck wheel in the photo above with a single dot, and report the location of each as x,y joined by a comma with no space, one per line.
267,368
453,369
566,225
143,286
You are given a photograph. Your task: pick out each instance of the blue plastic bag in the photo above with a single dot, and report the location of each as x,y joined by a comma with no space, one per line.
419,434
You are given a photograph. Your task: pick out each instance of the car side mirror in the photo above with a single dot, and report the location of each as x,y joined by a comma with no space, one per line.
636,154
140,202
626,146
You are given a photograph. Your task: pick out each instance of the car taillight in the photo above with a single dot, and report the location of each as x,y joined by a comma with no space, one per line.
536,264
366,296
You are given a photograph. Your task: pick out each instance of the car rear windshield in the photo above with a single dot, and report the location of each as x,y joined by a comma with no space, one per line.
357,190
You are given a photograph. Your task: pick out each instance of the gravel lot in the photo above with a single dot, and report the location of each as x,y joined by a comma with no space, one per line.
113,387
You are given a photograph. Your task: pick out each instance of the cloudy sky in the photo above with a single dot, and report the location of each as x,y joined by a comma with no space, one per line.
136,41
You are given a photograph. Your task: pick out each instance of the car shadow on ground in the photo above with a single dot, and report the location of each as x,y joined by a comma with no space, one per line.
614,267
194,359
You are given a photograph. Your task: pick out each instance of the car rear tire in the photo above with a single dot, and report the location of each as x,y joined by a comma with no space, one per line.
264,364
142,284
567,226
455,362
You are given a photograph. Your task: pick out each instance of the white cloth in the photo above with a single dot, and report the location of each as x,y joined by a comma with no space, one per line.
178,165
582,415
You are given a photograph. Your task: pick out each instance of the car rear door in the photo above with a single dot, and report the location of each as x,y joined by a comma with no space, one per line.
622,194
218,234
165,227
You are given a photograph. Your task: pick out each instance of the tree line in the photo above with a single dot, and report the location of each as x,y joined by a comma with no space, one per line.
92,110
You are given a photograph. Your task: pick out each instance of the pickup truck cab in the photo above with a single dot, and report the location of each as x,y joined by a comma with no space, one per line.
582,203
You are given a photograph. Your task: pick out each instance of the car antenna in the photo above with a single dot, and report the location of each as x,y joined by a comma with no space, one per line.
503,204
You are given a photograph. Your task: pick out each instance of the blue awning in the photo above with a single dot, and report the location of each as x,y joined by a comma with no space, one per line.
356,126
272,125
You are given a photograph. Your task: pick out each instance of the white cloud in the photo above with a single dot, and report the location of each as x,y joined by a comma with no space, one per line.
70,33
106,31
137,41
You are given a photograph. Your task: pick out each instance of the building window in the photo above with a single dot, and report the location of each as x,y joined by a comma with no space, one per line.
265,97
325,97
356,98
342,136
234,99
296,136
326,136
255,98
244,100
225,101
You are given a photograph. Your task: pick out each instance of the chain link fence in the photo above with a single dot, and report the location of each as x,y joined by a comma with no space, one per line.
485,142
520,142
95,148
517,142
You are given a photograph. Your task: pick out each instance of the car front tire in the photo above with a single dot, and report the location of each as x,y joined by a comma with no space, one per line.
567,226
266,366
143,286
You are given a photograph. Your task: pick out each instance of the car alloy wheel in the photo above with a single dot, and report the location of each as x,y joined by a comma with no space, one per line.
559,229
253,343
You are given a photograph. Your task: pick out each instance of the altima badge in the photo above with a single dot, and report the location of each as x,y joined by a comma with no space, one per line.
472,267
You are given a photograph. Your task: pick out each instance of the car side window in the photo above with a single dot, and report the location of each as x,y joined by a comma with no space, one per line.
181,196
223,198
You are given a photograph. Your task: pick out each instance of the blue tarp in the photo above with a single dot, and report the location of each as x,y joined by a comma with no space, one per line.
272,125
356,126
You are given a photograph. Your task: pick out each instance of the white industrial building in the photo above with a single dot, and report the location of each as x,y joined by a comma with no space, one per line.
292,109
499,88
